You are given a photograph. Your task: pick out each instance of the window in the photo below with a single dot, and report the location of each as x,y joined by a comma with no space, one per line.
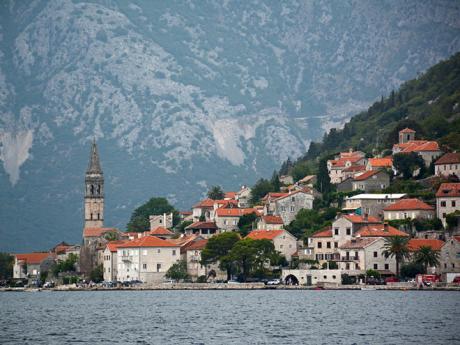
225,222
387,266
336,244
158,267
328,244
453,203
174,252
376,266
336,231
144,266
333,277
347,266
281,246
348,231
443,204
292,208
158,251
375,254
293,199
320,245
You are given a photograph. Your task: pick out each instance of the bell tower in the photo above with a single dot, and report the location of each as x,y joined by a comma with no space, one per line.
94,191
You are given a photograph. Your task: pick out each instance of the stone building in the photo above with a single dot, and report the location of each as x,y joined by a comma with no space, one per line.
449,164
284,242
408,209
290,204
164,220
450,255
204,229
31,265
428,150
371,181
447,200
370,204
110,260
94,191
344,161
270,223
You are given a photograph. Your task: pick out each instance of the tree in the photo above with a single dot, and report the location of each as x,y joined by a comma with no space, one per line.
6,266
275,181
68,265
411,270
245,223
397,247
408,163
97,274
178,271
139,221
427,257
372,273
181,227
323,181
216,193
218,247
452,220
259,190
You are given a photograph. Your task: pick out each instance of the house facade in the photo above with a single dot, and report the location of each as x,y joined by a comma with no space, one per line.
428,150
164,220
146,259
289,205
204,229
371,181
447,165
370,204
110,260
450,255
408,209
270,222
31,265
447,200
343,161
284,242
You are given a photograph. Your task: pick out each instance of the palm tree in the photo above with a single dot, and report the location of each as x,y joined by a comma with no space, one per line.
427,257
396,246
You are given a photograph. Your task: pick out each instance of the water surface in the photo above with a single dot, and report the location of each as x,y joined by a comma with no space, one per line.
230,317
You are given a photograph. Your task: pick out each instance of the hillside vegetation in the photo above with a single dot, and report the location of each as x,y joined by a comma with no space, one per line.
429,104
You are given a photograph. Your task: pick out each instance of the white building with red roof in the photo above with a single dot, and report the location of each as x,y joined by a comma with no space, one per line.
408,209
428,150
371,181
227,219
270,222
284,242
164,220
110,260
202,209
447,200
343,161
447,165
31,265
204,229
146,259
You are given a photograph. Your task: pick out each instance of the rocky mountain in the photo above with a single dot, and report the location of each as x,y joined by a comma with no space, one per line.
182,95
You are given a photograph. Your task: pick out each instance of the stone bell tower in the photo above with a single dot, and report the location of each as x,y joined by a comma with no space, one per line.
94,191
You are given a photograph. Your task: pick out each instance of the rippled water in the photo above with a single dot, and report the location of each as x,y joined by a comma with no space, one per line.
230,317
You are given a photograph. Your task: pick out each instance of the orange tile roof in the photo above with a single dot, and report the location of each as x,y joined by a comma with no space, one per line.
407,130
378,230
341,162
160,231
234,212
355,168
32,258
326,232
448,190
417,146
274,195
449,158
224,203
198,245
148,241
272,220
202,225
264,234
409,204
356,218
416,243
381,162
206,203
230,195
97,232
366,175
113,245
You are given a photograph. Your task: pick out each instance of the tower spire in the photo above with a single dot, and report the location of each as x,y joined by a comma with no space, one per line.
94,166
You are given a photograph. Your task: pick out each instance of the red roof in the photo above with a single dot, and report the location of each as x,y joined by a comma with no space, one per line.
326,232
272,220
417,146
381,162
448,190
355,168
409,204
449,158
234,212
230,195
186,213
206,203
148,241
32,258
113,245
198,245
366,175
407,130
264,234
202,225
341,162
416,243
274,195
356,218
379,230
160,231
97,232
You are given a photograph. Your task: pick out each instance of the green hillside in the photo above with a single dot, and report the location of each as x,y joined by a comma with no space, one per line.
429,104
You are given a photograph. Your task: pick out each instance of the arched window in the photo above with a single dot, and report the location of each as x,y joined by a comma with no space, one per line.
92,189
98,216
99,189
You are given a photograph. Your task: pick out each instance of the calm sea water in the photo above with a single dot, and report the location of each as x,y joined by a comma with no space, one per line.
230,317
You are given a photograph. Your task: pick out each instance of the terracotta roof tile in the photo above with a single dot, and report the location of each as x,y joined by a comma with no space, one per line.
366,175
355,168
449,158
272,220
448,190
264,234
198,245
379,230
234,212
386,162
202,225
32,258
206,203
407,130
113,245
409,204
160,231
356,218
326,232
416,243
230,195
97,232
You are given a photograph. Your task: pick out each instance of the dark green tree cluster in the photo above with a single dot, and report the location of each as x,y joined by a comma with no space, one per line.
408,163
139,221
308,222
244,257
216,193
68,265
246,223
178,271
6,266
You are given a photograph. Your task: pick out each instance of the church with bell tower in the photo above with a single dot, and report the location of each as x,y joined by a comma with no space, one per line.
94,191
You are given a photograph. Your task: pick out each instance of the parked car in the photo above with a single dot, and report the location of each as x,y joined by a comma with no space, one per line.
456,280
49,285
274,282
391,280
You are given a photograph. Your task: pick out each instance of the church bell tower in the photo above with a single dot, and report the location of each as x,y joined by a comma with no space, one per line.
94,191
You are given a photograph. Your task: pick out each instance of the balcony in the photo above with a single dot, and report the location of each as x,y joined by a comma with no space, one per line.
349,258
127,258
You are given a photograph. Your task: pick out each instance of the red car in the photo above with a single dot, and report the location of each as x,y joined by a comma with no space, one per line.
456,280
391,280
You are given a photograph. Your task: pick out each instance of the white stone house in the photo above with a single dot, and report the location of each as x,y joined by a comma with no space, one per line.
289,205
284,242
146,259
270,222
164,220
110,260
449,164
31,265
371,204
372,180
408,209
243,196
428,150
447,200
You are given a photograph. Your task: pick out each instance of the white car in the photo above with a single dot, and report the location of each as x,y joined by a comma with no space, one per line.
274,282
